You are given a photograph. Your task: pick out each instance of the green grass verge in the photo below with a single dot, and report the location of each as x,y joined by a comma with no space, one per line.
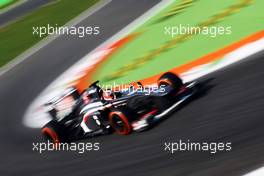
5,3
245,20
17,37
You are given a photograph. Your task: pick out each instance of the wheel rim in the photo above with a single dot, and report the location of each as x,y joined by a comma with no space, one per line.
119,123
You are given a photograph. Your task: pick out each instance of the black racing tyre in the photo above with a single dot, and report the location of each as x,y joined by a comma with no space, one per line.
54,132
170,79
120,120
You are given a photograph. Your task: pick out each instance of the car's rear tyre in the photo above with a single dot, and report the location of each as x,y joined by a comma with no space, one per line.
120,120
54,132
170,79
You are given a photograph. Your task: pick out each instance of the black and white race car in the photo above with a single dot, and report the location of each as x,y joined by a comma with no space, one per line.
96,111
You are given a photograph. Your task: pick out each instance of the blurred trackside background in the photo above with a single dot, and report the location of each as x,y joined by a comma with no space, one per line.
152,51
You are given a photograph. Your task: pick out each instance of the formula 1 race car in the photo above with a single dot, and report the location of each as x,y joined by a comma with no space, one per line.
96,111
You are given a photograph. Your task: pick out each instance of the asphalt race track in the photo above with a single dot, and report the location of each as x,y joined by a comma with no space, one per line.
228,109
21,10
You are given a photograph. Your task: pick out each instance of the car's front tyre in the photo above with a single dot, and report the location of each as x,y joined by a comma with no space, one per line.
120,120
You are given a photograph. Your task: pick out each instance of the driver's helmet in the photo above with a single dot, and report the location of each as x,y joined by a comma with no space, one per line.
108,95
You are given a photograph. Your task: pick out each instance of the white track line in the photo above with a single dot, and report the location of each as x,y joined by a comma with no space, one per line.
230,58
12,6
19,59
257,172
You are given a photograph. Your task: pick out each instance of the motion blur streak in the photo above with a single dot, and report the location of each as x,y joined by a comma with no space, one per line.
21,10
231,109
